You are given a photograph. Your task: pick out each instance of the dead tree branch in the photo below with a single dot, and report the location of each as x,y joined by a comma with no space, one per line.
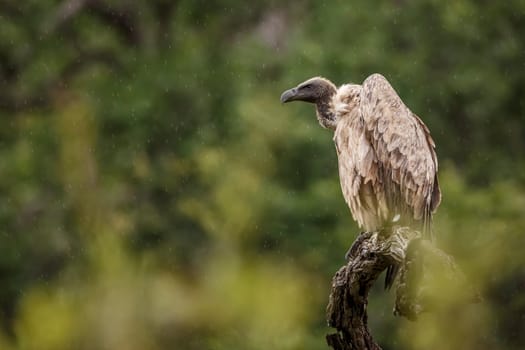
422,265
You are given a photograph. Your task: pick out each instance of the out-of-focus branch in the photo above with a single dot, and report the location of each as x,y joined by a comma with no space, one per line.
163,10
63,15
123,19
41,97
69,9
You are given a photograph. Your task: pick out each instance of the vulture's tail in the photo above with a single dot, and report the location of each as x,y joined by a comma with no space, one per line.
391,273
427,225
433,202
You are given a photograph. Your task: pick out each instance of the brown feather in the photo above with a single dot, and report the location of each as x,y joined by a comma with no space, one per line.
387,162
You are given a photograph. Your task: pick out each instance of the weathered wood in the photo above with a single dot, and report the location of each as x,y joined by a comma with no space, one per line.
370,254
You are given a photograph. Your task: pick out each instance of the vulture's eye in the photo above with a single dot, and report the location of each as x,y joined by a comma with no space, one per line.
308,86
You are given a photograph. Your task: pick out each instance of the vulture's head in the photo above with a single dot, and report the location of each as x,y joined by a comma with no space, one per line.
314,90
319,91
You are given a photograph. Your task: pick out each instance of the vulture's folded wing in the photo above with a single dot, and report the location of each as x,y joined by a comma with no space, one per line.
403,146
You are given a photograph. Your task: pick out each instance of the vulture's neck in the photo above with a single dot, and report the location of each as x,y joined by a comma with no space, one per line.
326,112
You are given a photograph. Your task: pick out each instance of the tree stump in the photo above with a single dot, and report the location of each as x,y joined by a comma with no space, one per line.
420,265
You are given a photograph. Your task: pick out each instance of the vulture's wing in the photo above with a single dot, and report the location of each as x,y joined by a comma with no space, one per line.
403,146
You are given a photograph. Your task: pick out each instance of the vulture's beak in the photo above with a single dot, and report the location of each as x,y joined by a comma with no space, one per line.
288,95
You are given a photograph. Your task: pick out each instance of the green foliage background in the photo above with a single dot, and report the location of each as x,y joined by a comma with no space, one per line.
156,195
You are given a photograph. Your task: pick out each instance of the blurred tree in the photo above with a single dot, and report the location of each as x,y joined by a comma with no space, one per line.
152,131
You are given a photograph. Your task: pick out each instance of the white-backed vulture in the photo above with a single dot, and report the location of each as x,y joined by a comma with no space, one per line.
387,160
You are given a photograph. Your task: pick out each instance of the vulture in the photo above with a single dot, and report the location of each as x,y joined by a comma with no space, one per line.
387,160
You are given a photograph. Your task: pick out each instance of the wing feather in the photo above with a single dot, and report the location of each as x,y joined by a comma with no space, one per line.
404,149
358,171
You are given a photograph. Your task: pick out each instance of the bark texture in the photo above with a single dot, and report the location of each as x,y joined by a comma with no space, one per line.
421,266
